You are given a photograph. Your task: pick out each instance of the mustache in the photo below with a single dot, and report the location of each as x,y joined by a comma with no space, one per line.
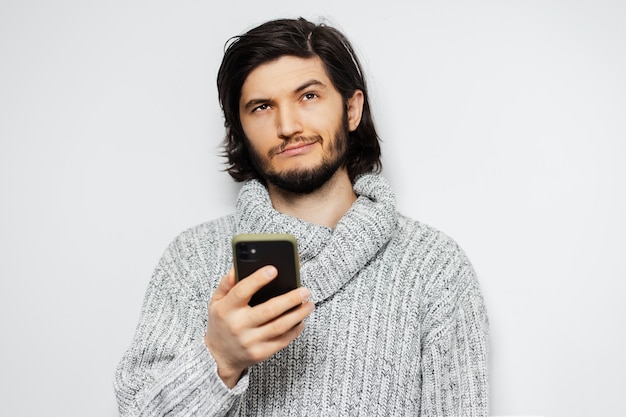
295,140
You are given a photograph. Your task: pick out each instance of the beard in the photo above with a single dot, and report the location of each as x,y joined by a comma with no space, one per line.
304,180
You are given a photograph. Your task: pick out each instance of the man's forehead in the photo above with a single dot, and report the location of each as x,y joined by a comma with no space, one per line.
284,75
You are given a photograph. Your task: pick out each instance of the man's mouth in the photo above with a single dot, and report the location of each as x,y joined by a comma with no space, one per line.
295,148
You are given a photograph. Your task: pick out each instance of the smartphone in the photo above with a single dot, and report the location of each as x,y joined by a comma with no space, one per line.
254,251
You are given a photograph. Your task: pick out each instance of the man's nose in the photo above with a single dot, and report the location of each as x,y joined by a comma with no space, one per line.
288,123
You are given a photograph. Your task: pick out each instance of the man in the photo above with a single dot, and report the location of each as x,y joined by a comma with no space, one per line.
389,320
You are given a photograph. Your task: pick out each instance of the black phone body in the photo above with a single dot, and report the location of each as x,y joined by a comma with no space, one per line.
254,251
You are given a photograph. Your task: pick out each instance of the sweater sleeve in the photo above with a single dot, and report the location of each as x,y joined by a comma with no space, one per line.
455,342
168,370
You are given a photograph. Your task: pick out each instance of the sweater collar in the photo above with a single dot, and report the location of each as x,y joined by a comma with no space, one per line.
329,258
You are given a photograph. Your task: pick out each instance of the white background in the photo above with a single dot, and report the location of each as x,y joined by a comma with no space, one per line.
503,124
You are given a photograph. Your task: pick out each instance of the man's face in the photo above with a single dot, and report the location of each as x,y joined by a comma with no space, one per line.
296,123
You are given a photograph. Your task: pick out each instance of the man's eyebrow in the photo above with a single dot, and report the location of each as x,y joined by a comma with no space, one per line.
310,83
258,101
255,102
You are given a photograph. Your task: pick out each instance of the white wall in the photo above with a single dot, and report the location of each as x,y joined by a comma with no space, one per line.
503,125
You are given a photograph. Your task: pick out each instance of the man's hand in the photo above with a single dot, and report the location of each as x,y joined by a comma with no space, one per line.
239,336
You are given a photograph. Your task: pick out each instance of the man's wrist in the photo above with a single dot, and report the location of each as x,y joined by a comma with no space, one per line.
230,376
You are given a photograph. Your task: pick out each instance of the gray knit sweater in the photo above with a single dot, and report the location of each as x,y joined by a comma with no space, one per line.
399,328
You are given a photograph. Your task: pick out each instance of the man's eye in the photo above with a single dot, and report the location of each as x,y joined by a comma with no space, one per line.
309,96
262,107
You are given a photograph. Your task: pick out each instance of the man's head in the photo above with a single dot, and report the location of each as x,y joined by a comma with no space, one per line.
282,47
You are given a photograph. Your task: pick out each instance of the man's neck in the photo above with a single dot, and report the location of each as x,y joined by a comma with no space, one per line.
326,206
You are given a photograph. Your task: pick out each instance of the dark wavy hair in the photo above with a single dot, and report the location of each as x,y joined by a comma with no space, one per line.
300,38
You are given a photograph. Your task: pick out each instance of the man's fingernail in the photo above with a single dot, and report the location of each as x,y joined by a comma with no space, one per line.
305,294
270,272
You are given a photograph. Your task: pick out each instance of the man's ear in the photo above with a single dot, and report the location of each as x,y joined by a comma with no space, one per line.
355,110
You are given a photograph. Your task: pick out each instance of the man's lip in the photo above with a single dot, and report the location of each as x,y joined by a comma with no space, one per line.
296,146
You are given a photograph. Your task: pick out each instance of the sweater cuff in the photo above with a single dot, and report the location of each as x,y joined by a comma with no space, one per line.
217,386
192,384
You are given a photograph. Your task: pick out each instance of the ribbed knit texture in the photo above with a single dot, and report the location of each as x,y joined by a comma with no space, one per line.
399,328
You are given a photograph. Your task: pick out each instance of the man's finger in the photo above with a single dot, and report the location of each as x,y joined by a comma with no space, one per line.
277,306
243,291
281,341
282,324
226,284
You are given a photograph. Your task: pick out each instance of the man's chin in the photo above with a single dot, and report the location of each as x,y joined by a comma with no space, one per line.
301,181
